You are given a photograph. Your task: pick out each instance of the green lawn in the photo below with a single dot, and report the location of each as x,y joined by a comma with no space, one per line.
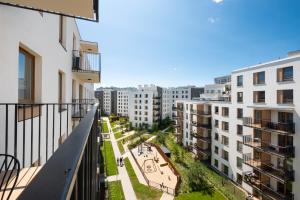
142,192
109,159
118,135
104,127
121,148
115,190
199,195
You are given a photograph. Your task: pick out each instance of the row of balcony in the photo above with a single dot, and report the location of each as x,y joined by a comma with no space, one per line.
264,189
282,174
267,147
268,125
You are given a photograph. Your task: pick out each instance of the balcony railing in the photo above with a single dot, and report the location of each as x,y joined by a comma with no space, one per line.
80,107
266,146
202,150
37,134
87,65
200,112
264,188
270,126
266,167
201,125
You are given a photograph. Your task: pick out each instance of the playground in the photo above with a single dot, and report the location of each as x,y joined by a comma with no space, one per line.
155,167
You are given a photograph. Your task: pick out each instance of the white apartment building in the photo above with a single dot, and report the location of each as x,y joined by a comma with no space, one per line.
145,104
253,130
123,101
43,60
171,95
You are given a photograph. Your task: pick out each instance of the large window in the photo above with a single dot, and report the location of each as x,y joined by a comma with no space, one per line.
240,80
259,78
285,96
225,111
285,74
239,162
26,77
239,129
239,146
225,140
239,113
259,97
225,155
225,126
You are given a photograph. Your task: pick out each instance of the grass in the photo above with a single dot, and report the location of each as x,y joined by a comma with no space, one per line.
118,135
200,195
109,159
115,190
104,127
221,183
121,148
142,192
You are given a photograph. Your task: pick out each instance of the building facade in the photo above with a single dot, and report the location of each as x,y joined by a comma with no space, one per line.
253,127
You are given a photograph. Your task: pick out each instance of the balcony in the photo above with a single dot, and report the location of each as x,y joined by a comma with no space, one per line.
206,151
267,168
267,125
80,107
264,189
201,136
267,147
45,146
87,10
200,125
201,113
87,66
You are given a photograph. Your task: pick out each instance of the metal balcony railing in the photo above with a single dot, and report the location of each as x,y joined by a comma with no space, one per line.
72,170
267,147
86,61
271,126
201,112
201,125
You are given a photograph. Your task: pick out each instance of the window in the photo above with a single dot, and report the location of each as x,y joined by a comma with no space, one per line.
216,164
61,94
146,95
216,150
285,96
186,134
225,169
239,146
225,111
285,74
285,117
239,162
225,126
217,123
240,97
240,80
239,179
216,136
259,78
259,97
225,140
26,77
239,113
216,110
239,129
225,155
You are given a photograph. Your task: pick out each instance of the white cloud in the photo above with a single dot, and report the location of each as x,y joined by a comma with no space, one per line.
213,20
218,1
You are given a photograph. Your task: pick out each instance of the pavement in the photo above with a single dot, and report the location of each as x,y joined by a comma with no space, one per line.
123,175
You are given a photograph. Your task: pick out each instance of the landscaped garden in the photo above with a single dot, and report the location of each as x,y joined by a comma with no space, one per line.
142,192
198,180
110,162
104,127
115,190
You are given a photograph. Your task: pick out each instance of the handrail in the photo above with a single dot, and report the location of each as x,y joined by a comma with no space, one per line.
72,167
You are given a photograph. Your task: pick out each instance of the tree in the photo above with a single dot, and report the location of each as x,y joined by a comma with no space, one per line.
161,137
197,179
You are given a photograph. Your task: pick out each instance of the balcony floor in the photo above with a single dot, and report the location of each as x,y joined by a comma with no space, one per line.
25,177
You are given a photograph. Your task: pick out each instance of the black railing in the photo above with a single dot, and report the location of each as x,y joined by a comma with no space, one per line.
201,125
71,173
266,146
200,112
266,167
86,61
267,124
32,132
80,107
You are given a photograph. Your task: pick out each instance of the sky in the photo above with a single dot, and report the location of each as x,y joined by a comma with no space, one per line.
189,42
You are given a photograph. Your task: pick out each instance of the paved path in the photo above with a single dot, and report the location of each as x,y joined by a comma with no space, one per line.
150,139
126,135
123,175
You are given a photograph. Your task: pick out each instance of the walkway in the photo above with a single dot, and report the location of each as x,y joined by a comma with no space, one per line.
123,175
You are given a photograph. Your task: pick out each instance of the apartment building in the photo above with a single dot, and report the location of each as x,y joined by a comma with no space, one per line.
124,101
108,101
253,127
170,95
145,106
47,84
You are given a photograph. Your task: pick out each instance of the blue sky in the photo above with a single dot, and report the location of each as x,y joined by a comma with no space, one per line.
184,42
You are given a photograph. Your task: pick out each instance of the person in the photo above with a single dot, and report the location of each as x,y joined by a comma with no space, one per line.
118,161
121,161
